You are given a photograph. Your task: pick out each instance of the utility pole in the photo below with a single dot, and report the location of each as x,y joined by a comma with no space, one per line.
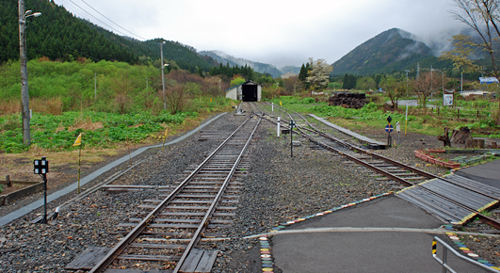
431,82
418,70
163,76
461,81
24,70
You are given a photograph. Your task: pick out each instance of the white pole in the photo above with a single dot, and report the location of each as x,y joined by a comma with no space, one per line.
272,108
278,131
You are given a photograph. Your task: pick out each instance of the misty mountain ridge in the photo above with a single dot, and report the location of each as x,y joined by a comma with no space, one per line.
224,59
391,50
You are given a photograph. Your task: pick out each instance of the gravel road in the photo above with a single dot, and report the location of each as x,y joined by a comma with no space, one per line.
277,188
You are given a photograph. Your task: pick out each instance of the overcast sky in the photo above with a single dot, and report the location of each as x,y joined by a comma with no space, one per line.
271,31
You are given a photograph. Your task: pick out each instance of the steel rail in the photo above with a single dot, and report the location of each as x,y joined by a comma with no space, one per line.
389,160
482,217
132,235
211,210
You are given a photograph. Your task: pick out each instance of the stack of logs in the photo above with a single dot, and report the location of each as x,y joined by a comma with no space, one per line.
348,100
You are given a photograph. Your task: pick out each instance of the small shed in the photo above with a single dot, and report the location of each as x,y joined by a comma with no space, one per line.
247,91
488,80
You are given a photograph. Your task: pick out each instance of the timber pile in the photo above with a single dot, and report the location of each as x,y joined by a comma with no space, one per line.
348,100
461,136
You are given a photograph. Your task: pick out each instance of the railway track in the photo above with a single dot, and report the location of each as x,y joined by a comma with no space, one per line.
168,238
451,199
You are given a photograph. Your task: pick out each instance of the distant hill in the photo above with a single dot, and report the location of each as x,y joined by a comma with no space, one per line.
391,50
224,58
59,35
290,69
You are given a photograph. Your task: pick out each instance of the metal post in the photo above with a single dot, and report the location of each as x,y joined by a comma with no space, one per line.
278,131
291,141
163,75
445,259
44,177
24,75
431,82
461,81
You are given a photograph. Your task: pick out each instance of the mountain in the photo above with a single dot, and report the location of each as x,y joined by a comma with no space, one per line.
391,50
290,69
59,35
224,58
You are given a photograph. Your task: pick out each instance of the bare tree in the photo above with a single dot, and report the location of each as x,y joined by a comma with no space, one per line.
177,98
482,16
292,84
424,86
393,89
318,75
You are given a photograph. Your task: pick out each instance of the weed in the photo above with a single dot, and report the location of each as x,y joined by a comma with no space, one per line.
486,213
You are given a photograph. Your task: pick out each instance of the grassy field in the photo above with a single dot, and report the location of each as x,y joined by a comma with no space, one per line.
478,115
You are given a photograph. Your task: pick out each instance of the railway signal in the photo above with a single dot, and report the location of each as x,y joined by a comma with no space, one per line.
41,167
389,128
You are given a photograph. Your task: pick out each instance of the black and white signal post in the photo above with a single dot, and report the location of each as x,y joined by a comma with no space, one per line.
41,167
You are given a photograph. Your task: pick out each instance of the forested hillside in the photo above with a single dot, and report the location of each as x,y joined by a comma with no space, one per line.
225,59
391,50
58,35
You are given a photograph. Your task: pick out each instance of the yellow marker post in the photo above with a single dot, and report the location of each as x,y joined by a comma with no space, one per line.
166,133
210,99
78,142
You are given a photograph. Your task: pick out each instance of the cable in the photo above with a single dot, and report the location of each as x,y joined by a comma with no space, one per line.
112,21
110,27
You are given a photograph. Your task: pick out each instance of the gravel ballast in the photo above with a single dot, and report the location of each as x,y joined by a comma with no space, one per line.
277,188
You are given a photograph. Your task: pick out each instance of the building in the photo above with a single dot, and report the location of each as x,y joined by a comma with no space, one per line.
247,91
488,80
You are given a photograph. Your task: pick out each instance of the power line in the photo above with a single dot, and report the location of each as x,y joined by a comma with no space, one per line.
95,17
110,27
112,21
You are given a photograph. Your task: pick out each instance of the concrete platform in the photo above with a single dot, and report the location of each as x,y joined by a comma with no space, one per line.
363,139
488,173
368,251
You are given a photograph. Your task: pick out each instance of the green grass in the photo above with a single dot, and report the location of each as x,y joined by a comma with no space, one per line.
427,122
55,133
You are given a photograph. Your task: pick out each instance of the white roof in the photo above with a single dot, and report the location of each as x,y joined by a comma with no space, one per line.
488,80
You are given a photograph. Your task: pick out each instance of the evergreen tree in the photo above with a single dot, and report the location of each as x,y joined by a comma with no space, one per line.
349,81
303,73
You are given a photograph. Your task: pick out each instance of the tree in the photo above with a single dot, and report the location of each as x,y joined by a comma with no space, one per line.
319,74
366,83
482,16
425,85
349,81
393,89
237,80
292,84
